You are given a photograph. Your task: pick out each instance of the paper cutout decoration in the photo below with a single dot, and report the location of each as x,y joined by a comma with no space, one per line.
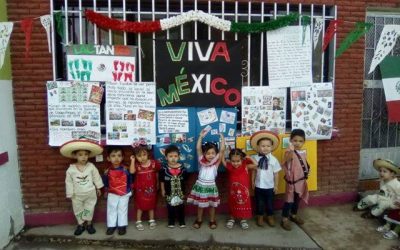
361,29
330,32
390,71
46,22
26,26
5,33
318,25
385,45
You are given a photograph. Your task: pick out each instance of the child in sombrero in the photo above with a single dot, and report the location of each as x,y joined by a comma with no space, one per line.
82,182
389,191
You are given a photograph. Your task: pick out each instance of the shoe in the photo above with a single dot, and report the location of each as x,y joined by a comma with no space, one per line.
79,230
212,225
197,224
182,225
391,235
383,229
139,225
244,225
90,229
171,226
296,220
260,221
121,230
285,224
110,230
271,220
230,223
152,224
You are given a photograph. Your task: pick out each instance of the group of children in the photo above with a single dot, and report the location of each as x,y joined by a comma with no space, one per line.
260,172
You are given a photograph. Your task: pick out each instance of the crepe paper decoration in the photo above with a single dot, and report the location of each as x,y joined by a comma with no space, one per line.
330,32
318,25
26,26
46,22
59,24
386,42
360,30
5,33
283,21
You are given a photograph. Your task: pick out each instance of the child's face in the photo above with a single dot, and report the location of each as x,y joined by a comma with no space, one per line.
297,142
82,156
275,102
142,156
236,161
115,158
385,174
265,147
172,158
210,154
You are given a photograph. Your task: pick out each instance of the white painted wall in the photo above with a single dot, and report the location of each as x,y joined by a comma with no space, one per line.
367,157
11,209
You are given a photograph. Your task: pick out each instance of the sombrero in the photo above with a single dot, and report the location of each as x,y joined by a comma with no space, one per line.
381,163
264,134
69,147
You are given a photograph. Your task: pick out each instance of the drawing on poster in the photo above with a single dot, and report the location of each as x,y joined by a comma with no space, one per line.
227,117
207,116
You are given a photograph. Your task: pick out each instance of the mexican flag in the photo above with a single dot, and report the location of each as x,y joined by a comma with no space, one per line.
390,70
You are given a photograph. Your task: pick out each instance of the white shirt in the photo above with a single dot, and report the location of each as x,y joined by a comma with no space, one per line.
80,182
265,178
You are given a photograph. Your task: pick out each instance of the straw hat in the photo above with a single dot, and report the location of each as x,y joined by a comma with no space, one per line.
82,144
381,163
264,134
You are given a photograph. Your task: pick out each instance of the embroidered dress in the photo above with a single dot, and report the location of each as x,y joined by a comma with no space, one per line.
239,195
146,186
205,192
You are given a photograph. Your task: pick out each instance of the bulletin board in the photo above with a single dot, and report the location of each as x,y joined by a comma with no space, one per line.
310,146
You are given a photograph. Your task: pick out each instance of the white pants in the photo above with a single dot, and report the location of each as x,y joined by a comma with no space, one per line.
117,210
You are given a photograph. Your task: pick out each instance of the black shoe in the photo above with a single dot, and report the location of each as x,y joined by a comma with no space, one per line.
121,230
110,230
79,230
90,229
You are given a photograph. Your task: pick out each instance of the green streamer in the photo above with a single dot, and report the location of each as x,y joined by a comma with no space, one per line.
359,31
244,27
59,24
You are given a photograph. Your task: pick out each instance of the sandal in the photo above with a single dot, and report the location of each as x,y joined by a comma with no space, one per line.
244,224
197,224
152,224
212,225
230,223
139,225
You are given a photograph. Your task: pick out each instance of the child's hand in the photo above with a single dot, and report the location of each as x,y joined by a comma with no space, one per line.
98,191
275,189
291,147
221,135
133,158
162,192
106,171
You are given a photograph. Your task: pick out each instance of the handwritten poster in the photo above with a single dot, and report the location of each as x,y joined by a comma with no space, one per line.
89,62
72,114
289,57
173,121
312,110
130,112
263,108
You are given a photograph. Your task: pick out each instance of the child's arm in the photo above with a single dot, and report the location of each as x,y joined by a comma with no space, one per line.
98,182
132,168
223,160
253,164
276,181
222,148
288,155
69,185
198,144
253,179
162,189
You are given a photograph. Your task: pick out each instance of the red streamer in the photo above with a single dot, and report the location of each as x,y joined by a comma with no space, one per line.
330,32
127,26
26,26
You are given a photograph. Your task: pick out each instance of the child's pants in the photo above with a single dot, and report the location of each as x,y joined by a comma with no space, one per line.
176,212
379,202
264,198
291,207
117,210
83,206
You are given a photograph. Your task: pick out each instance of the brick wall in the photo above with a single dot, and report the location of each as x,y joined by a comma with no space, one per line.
43,169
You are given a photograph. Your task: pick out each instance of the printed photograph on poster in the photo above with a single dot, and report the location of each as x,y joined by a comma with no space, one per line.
173,121
207,116
263,108
88,62
312,110
130,111
289,57
73,111
227,117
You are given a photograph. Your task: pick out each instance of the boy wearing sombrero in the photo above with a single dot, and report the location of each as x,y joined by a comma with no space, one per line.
265,178
82,181
389,191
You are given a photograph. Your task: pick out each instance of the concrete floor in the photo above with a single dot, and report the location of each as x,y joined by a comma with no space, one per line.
334,227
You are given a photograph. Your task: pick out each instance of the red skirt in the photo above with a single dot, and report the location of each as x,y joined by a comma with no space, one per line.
146,190
239,201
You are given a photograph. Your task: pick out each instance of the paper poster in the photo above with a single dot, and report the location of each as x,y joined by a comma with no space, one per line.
289,57
88,62
312,110
5,33
198,73
207,116
71,115
263,108
130,112
228,117
173,121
